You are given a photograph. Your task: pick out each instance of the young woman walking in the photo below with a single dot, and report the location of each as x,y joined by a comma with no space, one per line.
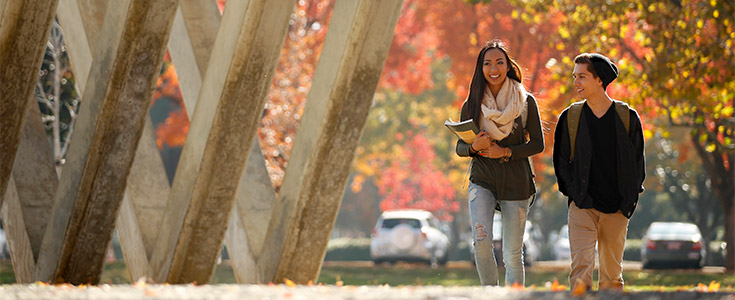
501,174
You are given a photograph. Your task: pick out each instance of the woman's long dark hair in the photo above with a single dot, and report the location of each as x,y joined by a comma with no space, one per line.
477,87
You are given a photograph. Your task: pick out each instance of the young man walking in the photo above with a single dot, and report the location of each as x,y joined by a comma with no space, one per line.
599,166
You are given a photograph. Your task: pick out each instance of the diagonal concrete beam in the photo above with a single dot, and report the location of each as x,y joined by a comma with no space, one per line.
202,21
147,188
35,180
190,47
93,14
28,200
131,47
350,65
72,20
19,244
24,27
220,135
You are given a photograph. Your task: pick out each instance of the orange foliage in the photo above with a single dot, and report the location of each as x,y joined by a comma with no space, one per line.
291,83
412,181
173,131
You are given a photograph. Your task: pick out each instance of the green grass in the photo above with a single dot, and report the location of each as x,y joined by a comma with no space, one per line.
419,274
646,280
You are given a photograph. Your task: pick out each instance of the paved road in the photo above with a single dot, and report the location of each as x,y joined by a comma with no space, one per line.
231,291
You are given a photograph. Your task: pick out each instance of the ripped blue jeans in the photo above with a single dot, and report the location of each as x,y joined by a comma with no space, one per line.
482,210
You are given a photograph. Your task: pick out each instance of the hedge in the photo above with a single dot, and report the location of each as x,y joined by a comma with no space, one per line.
351,249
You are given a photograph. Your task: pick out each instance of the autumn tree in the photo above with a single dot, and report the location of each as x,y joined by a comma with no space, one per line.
291,83
412,181
677,67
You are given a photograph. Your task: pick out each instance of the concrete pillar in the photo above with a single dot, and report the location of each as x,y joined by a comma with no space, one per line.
19,245
190,51
132,42
220,136
24,27
93,14
72,21
350,65
35,180
202,21
29,197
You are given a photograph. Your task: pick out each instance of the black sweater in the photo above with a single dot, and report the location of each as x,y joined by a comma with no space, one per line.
573,176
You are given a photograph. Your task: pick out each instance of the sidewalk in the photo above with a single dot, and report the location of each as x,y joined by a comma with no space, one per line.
231,291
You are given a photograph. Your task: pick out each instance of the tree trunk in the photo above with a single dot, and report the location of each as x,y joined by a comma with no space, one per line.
722,176
729,207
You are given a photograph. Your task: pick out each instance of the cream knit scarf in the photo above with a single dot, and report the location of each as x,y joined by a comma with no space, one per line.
498,113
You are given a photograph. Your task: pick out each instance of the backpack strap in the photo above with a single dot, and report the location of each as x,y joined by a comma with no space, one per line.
575,111
624,113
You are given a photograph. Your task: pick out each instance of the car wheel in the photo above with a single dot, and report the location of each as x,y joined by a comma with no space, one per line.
645,264
444,260
697,265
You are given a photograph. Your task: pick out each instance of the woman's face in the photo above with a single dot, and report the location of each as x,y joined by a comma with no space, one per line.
495,67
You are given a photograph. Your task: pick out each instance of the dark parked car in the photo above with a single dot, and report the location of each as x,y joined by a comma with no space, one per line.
672,244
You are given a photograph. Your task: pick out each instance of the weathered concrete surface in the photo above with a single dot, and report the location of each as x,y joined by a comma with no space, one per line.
35,177
219,139
202,21
350,64
190,51
19,246
28,200
72,20
329,292
143,204
131,47
24,26
93,14
147,188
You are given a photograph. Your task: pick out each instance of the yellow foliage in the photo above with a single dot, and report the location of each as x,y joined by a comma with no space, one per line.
647,133
727,111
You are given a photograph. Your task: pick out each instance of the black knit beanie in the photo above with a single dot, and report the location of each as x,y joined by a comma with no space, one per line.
605,68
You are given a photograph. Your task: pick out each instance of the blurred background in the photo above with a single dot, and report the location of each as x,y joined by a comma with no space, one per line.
677,69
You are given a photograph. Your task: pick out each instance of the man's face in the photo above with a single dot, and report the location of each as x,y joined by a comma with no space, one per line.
585,83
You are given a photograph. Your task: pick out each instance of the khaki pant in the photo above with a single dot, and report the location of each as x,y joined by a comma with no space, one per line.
587,226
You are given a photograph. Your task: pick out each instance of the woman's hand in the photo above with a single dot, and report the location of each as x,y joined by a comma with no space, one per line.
495,151
482,142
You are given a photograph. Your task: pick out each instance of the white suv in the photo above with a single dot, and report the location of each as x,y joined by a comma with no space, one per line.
409,235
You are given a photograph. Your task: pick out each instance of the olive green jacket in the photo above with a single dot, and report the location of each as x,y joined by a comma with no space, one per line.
511,180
